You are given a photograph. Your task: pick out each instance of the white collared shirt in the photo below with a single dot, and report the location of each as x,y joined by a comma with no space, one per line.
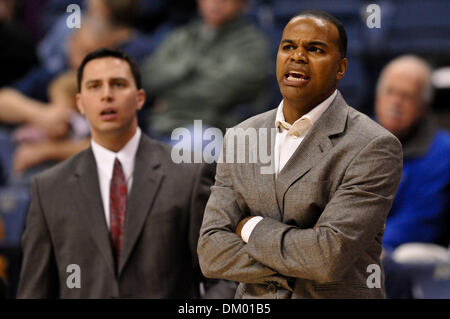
288,144
105,164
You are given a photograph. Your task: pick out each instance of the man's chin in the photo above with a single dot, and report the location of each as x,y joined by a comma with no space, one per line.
110,129
294,93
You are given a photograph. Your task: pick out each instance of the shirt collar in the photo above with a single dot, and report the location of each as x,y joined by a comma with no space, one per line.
105,158
313,115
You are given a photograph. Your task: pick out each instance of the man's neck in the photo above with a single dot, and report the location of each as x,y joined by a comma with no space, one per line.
292,112
294,109
114,141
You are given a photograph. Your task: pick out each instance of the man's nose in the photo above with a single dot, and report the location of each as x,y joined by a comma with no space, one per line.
107,93
299,56
395,98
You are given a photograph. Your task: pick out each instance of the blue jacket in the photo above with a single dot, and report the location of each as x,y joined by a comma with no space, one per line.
420,212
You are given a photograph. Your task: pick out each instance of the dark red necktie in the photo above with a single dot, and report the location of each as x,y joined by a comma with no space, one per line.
117,206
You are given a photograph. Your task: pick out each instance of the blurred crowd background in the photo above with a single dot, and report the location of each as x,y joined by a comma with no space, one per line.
214,60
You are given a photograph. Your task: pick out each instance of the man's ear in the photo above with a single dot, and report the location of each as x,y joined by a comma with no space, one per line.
141,96
342,68
79,103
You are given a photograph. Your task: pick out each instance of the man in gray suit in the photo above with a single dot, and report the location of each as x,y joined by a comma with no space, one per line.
313,228
120,219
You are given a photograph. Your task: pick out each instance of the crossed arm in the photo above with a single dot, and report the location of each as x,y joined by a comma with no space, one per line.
353,217
214,289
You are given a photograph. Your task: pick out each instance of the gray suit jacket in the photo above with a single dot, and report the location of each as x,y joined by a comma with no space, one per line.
342,178
66,225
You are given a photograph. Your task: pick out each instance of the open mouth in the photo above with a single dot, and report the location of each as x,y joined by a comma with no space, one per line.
296,76
108,114
108,111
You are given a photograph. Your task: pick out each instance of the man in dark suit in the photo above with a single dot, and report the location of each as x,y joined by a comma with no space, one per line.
120,219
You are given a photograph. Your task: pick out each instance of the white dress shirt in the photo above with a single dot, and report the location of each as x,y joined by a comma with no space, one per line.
105,164
286,144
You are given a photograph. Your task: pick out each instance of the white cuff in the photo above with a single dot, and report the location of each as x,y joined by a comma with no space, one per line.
248,227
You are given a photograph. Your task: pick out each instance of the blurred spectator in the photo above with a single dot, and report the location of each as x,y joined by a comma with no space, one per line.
34,148
54,49
204,69
49,12
54,131
7,10
29,13
420,210
156,13
117,16
17,55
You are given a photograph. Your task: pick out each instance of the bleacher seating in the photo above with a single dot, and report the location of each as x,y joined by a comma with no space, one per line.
420,26
14,202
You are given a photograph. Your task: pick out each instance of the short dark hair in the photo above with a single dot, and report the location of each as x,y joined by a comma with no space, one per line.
105,53
335,21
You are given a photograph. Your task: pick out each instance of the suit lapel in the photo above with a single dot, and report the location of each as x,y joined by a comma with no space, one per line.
146,180
266,181
316,144
89,202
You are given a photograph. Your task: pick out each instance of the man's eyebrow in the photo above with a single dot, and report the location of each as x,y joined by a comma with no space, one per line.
119,79
288,41
318,43
91,81
315,42
111,79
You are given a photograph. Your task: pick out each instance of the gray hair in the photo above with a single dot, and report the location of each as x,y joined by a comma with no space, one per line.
427,90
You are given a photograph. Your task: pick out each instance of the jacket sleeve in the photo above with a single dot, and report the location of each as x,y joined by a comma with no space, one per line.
39,275
204,177
222,253
347,227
